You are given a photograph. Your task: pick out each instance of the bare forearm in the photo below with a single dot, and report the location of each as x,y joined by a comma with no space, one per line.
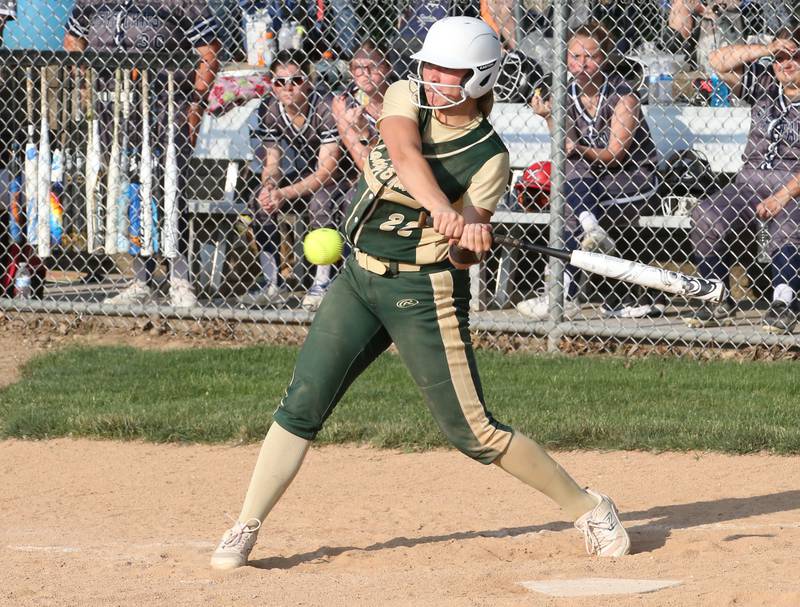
417,178
352,142
790,191
730,58
605,156
308,184
681,19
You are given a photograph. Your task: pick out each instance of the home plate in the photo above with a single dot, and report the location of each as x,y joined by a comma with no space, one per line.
595,586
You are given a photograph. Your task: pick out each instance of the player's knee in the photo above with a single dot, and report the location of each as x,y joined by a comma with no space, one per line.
302,411
485,449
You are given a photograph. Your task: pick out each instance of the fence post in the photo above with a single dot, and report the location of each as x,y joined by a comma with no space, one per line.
555,281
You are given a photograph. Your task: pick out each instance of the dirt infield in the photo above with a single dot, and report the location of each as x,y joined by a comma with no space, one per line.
106,523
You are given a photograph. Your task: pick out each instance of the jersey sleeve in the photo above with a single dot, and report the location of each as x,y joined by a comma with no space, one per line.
78,22
328,132
200,24
489,184
267,131
755,81
397,101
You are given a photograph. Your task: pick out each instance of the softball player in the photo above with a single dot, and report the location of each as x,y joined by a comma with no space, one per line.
767,187
404,284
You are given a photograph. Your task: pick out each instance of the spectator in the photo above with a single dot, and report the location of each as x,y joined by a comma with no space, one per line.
698,27
415,18
611,158
767,187
358,109
178,24
301,156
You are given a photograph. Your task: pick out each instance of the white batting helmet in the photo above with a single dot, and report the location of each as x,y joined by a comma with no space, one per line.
461,43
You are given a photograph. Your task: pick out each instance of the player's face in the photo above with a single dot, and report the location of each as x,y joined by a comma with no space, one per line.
290,84
369,73
446,84
787,68
584,58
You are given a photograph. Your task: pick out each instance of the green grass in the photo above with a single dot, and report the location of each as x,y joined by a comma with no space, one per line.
215,395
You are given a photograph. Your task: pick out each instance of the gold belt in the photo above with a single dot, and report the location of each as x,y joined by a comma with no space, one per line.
382,267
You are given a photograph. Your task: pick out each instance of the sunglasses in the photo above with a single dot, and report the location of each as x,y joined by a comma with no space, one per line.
281,81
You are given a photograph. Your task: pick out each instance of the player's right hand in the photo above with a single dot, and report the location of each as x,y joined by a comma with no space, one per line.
447,221
541,107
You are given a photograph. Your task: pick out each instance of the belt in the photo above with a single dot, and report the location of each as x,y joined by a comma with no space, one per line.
382,267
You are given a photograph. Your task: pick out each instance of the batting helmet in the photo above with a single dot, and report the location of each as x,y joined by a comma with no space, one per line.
533,188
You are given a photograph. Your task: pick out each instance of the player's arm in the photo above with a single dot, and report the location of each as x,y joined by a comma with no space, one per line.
624,124
789,193
403,141
327,163
476,238
730,61
271,170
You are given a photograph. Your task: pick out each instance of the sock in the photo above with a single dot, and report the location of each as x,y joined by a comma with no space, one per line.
783,293
527,461
280,458
269,267
323,275
588,221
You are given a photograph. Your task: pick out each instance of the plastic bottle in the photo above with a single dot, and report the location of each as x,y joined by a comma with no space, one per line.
257,24
291,35
265,50
285,36
665,82
653,78
763,238
720,92
22,282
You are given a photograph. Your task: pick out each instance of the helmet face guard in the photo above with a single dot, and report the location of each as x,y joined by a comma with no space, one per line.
418,84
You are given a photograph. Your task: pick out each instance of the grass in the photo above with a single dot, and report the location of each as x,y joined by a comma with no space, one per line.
224,395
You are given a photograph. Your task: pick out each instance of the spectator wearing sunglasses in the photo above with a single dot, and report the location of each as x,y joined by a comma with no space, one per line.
767,187
299,147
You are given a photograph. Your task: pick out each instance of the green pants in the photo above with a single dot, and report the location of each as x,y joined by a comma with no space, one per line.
426,315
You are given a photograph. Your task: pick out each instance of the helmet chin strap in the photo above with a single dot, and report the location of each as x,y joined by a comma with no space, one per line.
439,88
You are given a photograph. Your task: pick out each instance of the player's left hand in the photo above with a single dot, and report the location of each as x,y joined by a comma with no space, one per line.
476,237
769,207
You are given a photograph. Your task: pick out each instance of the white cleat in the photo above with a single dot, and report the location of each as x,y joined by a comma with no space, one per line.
538,308
135,293
235,546
181,294
602,530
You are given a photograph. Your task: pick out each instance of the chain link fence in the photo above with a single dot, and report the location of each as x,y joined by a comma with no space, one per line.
165,160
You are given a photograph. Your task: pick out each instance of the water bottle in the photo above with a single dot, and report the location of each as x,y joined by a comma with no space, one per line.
298,33
653,77
720,92
22,282
665,82
265,49
285,36
257,25
762,243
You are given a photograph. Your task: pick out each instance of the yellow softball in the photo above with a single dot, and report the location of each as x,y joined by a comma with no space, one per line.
323,246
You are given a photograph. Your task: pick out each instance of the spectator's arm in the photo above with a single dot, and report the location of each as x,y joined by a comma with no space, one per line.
682,16
624,124
730,61
271,171
500,15
789,193
206,71
354,143
327,163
